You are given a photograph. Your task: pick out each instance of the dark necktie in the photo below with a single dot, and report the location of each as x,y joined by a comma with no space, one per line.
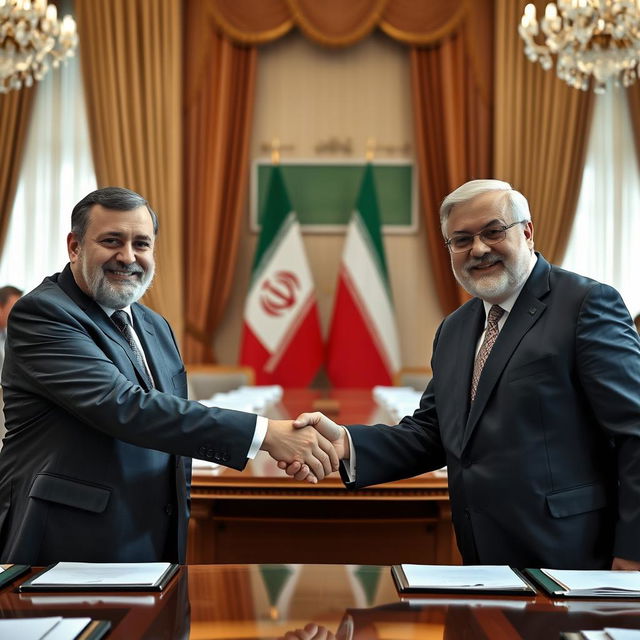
123,322
490,335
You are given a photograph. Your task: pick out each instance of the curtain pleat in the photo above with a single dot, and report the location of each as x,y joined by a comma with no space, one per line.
131,62
452,111
541,135
15,113
218,115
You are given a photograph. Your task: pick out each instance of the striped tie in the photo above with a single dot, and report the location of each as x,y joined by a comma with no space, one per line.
122,321
490,335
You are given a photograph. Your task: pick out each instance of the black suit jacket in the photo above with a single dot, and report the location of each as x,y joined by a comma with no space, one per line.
544,467
95,467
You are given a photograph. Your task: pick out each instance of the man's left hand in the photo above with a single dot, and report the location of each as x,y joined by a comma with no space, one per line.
620,564
304,447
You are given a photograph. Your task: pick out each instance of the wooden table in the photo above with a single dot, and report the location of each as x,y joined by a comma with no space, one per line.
226,602
260,515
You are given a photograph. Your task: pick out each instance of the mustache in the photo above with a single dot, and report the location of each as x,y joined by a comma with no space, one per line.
130,269
485,261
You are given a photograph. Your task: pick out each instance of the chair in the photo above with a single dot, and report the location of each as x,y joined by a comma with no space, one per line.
415,377
205,380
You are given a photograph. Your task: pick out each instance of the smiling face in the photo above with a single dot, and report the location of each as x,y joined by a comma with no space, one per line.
490,272
114,262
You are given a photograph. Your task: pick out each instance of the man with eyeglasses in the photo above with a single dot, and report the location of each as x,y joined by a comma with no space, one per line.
534,405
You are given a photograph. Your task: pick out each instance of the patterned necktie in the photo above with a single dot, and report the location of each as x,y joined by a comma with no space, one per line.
490,335
123,322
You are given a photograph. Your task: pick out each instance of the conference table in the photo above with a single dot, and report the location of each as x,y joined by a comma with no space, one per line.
346,602
260,515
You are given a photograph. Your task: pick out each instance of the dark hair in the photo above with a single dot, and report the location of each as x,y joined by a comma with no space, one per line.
7,292
117,198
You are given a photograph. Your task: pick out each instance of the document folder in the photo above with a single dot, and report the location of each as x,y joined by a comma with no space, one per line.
9,572
587,584
58,627
482,580
87,576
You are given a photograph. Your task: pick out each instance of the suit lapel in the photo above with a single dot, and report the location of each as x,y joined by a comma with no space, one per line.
526,311
155,358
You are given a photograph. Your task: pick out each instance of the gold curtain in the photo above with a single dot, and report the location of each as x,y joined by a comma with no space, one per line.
131,57
452,107
541,134
219,89
336,23
633,97
15,113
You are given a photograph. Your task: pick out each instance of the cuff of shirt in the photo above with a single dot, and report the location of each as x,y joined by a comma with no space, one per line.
258,436
350,463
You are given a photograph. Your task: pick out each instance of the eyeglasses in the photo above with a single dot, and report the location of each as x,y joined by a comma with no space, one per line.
492,235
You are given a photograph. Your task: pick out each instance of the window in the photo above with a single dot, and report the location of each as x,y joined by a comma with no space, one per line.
57,171
604,241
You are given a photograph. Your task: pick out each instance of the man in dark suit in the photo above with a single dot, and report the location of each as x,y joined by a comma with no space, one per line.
96,460
534,405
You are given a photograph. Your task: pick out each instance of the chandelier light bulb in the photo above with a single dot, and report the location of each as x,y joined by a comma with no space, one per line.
31,40
593,41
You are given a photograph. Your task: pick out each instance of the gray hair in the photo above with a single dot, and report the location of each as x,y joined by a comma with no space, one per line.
514,201
117,198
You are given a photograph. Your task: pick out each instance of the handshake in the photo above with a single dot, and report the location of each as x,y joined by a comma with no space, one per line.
307,448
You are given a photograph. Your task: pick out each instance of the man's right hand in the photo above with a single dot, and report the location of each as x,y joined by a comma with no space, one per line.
334,433
304,449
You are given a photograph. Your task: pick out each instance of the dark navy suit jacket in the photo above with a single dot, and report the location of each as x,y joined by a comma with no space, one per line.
544,468
95,466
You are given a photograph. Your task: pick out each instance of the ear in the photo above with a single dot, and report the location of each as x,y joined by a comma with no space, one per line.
73,247
528,234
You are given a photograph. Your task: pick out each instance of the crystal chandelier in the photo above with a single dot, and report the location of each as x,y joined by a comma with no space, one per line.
599,38
31,36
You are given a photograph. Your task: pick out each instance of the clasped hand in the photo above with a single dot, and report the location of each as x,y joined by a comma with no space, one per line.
309,448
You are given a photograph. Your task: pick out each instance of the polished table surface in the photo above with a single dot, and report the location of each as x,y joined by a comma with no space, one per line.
350,602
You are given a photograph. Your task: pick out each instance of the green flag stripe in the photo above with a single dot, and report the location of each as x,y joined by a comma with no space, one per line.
367,205
276,209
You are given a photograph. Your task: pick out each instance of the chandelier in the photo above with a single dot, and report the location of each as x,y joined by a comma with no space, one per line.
599,38
31,37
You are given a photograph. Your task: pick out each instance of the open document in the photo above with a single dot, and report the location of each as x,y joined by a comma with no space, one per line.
486,579
54,628
587,584
98,576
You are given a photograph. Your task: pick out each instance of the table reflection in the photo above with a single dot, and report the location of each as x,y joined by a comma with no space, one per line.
353,602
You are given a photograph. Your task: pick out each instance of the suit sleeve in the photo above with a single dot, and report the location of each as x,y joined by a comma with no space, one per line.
386,453
56,358
608,352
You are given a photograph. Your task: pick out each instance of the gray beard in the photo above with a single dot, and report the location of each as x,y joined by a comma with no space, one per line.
498,288
115,296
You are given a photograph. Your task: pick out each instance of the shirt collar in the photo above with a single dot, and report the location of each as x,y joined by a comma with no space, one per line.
507,304
110,312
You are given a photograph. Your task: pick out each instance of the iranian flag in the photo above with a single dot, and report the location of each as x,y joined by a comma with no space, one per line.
363,348
281,336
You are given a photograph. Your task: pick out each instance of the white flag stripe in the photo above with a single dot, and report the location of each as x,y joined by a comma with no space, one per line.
276,356
364,274
288,256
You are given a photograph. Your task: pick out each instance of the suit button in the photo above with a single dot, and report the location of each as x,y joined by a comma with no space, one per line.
169,509
202,451
210,453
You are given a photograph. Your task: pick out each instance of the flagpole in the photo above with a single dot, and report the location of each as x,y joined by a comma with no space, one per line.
275,151
371,149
